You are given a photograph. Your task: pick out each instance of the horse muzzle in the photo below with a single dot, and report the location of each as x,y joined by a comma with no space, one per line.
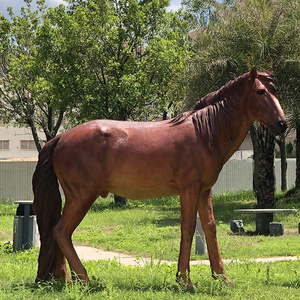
279,128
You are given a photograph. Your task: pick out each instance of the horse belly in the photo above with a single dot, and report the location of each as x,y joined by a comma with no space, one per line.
144,192
138,184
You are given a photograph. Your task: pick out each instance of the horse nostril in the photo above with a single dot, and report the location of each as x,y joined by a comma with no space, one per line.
282,126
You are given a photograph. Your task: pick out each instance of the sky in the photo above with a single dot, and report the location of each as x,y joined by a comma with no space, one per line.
17,4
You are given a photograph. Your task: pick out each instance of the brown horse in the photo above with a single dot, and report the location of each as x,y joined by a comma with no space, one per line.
140,160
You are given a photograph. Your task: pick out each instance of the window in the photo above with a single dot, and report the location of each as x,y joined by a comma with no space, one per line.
4,144
27,145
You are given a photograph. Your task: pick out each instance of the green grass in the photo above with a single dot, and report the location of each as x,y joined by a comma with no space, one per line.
152,228
7,212
110,280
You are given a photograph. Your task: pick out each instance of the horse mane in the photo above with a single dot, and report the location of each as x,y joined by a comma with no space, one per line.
212,113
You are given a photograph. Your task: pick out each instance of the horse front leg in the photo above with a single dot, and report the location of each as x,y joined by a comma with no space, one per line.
205,210
189,203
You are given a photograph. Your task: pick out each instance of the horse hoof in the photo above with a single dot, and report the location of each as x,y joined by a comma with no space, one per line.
189,288
185,285
224,278
229,282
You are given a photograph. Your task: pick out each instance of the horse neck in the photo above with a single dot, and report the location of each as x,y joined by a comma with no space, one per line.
238,127
224,125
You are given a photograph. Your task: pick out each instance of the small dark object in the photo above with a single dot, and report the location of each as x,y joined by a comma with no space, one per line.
299,228
121,201
25,232
264,216
236,226
276,229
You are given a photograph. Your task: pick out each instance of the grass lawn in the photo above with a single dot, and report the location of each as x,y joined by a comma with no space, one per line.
152,228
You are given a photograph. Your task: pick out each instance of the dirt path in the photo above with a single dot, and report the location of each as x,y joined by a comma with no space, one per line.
89,253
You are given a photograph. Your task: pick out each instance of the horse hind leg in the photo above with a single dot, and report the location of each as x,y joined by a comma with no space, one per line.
73,213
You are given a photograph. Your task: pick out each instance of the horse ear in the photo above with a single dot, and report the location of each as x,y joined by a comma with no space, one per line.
253,73
270,71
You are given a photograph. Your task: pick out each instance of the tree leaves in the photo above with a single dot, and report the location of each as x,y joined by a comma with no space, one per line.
91,59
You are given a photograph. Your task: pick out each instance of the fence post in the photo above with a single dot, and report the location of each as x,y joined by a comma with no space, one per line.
201,247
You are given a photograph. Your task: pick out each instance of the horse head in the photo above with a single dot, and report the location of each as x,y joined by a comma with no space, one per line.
263,105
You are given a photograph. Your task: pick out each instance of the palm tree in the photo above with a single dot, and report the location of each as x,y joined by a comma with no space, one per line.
242,34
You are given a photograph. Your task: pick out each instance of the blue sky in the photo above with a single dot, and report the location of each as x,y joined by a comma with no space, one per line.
16,4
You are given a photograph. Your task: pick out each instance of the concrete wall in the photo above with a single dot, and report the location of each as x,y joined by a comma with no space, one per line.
15,177
15,180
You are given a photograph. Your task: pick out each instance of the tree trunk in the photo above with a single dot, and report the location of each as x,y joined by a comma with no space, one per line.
281,144
255,157
35,135
297,183
264,177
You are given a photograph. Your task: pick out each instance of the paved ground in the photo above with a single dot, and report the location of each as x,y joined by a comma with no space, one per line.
89,253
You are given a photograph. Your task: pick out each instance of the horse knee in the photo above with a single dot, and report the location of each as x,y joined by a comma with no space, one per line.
60,233
210,227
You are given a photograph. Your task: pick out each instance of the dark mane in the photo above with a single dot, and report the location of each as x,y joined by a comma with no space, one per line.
211,114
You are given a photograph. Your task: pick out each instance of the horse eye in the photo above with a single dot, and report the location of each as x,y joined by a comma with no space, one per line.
260,92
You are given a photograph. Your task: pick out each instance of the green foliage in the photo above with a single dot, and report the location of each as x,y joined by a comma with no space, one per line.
7,211
238,35
25,95
90,59
115,59
245,33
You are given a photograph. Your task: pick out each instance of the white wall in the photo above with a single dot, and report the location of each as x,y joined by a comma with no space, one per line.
14,135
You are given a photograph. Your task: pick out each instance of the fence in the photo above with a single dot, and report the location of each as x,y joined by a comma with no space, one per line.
15,177
237,174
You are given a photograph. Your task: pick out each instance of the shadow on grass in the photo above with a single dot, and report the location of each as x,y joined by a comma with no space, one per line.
45,287
97,286
225,212
157,204
290,284
223,204
288,198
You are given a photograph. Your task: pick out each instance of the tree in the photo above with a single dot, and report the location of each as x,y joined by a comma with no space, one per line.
25,95
91,59
288,83
121,59
283,153
242,34
263,174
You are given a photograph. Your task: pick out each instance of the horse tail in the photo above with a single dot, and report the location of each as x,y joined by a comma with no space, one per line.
47,207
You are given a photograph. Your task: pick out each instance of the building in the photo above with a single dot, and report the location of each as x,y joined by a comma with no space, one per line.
18,142
245,150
